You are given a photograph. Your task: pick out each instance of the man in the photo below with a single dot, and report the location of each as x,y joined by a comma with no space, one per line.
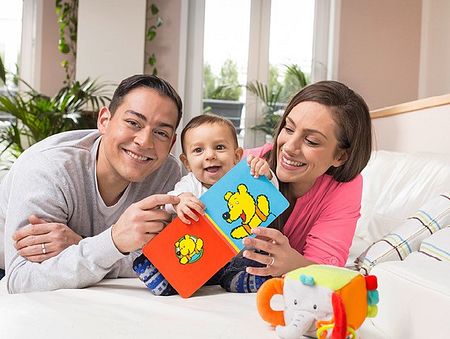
106,185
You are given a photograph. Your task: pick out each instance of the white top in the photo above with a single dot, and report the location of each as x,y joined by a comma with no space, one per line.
189,183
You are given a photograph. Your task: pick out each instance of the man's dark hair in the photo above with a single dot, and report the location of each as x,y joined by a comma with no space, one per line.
149,81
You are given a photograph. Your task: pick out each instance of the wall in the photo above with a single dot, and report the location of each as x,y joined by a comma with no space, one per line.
407,132
166,44
111,39
379,49
52,74
435,54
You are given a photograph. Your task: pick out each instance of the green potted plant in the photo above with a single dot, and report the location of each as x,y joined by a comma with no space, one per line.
2,71
275,94
221,93
36,116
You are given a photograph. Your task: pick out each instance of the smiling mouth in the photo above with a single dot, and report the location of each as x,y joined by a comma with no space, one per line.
292,162
212,169
136,156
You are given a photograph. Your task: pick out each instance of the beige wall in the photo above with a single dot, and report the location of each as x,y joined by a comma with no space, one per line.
379,49
435,56
51,73
167,41
111,39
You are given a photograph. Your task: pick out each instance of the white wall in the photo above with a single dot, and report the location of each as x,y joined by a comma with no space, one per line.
425,130
111,39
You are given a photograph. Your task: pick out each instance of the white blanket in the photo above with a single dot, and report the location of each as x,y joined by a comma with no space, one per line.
124,308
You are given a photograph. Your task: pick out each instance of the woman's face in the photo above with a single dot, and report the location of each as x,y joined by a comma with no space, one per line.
307,146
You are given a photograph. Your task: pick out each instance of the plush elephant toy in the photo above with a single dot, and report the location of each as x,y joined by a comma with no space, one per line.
318,298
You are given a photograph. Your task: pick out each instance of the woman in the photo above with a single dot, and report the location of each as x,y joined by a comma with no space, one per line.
321,145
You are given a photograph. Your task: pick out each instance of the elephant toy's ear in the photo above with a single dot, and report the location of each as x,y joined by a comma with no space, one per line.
265,293
340,318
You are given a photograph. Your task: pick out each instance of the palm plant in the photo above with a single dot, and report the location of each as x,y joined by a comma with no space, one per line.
37,116
2,71
272,96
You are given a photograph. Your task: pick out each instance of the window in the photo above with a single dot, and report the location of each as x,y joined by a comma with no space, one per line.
10,34
258,37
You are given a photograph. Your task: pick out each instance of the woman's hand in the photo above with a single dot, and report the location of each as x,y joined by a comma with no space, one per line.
281,257
41,240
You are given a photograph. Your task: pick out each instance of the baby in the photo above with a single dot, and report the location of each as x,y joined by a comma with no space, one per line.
210,149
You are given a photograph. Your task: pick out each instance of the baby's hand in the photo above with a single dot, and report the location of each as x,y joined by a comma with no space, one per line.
186,207
259,166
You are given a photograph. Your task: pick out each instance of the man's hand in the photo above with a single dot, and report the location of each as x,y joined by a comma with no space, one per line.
186,207
141,222
41,240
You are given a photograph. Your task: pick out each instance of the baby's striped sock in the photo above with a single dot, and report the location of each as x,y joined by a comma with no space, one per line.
151,277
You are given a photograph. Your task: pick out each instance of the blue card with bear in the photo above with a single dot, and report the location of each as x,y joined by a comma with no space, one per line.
239,202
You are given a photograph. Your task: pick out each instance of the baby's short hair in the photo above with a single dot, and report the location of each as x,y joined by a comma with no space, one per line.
208,118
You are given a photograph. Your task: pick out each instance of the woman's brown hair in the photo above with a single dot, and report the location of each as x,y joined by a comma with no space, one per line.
354,132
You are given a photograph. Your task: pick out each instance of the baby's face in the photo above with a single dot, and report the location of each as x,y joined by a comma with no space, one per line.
210,152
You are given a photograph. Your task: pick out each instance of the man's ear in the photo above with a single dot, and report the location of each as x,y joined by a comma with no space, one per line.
238,154
104,115
342,157
185,161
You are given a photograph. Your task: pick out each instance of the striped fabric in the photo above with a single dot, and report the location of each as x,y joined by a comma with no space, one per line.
397,245
438,245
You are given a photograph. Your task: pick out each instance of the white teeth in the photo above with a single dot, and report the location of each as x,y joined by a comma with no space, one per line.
293,163
137,157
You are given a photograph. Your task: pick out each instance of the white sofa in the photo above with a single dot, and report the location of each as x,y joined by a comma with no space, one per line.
415,292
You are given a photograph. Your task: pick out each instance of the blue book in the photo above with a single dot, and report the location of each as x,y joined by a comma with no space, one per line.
239,202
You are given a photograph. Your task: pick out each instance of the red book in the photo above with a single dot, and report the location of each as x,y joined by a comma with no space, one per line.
188,255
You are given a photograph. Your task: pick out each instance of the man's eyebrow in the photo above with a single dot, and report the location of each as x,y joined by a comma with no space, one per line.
308,130
137,114
144,118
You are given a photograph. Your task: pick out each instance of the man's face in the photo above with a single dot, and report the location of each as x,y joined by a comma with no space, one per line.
137,138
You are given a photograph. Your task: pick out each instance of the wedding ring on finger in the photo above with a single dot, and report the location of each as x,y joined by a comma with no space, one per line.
44,251
272,261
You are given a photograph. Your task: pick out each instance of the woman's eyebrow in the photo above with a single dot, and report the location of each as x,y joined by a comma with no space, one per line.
308,130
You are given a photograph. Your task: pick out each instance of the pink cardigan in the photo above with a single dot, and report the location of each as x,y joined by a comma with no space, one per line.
323,221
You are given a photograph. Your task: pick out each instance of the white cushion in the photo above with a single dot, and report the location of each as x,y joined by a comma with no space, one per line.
395,186
438,245
408,236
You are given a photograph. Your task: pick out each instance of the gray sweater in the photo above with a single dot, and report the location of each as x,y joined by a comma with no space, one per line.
55,180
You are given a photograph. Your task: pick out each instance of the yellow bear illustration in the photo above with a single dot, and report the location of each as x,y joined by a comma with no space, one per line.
189,249
241,204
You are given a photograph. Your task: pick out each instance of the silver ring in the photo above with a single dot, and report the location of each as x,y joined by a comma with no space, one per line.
271,262
44,251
